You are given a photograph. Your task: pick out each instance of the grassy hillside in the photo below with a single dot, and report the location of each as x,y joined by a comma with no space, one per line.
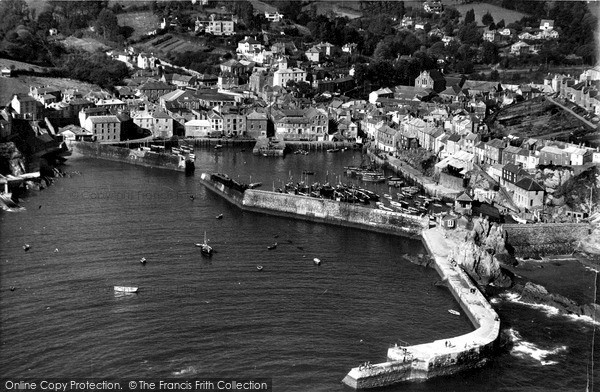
142,22
497,12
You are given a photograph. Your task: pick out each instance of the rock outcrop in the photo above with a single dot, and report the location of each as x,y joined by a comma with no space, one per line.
11,160
537,294
482,251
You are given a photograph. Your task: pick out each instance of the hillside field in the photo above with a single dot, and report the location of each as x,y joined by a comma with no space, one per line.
480,9
142,22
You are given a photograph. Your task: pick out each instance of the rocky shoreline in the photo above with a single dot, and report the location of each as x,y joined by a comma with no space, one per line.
482,253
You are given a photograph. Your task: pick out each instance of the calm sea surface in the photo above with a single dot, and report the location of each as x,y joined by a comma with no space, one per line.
302,325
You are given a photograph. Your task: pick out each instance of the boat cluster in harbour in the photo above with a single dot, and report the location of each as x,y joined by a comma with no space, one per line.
183,150
367,174
339,192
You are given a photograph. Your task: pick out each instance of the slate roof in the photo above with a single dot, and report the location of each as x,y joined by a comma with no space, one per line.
529,185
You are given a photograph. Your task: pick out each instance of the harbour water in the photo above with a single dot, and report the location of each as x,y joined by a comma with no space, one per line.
194,317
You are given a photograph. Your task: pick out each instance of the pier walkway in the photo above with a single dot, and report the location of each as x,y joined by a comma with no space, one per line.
444,356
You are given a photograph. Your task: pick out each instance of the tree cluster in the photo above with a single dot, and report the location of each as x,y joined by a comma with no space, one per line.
96,68
388,73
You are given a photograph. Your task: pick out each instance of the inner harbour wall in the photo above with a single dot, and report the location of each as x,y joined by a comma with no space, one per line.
126,155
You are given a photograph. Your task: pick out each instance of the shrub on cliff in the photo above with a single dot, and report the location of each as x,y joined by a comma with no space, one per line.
582,192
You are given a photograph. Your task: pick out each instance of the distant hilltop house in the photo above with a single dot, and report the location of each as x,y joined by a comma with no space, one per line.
407,22
521,47
349,48
547,24
318,51
170,23
147,61
434,7
216,26
273,16
489,34
545,31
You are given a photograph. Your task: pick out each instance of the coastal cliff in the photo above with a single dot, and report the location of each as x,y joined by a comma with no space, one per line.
481,251
12,160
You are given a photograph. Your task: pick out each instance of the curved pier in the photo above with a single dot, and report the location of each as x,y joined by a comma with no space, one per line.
445,356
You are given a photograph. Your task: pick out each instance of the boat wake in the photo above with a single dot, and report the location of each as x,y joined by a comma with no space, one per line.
190,370
524,349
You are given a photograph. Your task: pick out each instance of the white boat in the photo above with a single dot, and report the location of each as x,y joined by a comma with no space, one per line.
385,208
317,261
455,312
126,289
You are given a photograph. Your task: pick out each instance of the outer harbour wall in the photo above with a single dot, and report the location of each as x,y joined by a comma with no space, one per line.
444,356
533,240
126,155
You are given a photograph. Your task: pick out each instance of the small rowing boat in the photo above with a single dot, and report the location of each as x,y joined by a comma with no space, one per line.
454,312
126,289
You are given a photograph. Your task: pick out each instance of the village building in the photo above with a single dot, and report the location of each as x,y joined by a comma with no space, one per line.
104,128
197,128
528,194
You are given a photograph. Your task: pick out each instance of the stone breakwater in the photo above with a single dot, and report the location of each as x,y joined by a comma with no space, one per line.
320,210
445,356
126,155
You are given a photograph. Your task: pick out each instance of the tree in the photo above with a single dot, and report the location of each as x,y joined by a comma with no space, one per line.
487,19
45,21
437,50
451,13
107,24
489,53
464,66
470,16
500,25
13,13
469,34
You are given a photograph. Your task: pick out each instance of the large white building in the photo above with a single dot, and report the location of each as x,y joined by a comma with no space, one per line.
282,76
104,128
